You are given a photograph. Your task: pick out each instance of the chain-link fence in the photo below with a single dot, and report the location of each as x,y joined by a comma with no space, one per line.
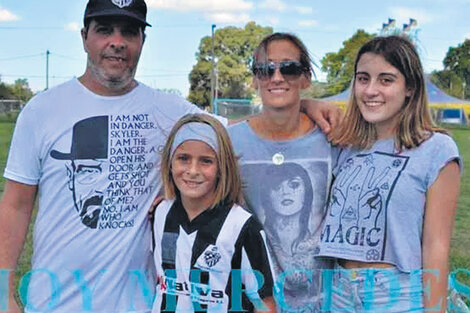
235,108
10,106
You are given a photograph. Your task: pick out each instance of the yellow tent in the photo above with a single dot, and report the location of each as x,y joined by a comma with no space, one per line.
437,99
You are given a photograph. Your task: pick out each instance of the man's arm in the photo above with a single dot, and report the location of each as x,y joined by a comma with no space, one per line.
15,214
325,114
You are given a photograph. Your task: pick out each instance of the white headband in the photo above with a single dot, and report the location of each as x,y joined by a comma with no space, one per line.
195,131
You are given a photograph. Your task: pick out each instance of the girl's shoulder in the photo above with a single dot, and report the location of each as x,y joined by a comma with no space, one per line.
437,145
438,138
241,211
244,215
238,128
435,153
248,224
163,207
165,203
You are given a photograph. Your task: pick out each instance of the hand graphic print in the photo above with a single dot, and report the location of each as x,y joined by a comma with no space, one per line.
370,200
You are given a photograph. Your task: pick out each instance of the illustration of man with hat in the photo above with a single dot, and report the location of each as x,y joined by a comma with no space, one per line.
89,146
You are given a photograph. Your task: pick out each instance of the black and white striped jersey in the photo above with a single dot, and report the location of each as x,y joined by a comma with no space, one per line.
210,263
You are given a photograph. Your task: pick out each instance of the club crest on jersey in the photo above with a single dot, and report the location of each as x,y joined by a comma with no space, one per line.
212,256
122,3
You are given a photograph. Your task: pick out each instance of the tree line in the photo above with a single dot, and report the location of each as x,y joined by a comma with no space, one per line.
233,48
19,90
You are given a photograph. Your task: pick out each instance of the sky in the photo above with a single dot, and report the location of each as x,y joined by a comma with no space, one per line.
30,28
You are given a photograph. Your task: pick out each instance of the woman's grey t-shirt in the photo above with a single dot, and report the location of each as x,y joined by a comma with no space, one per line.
285,183
376,208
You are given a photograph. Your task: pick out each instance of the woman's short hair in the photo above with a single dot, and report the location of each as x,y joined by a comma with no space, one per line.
305,59
228,188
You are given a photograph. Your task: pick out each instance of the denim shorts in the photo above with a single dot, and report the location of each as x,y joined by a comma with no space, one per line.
373,290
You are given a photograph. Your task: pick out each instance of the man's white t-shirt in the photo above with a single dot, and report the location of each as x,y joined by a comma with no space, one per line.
95,160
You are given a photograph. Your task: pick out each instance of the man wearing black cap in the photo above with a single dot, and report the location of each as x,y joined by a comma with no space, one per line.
90,146
112,60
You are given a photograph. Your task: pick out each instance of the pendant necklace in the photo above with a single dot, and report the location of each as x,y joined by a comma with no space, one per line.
278,158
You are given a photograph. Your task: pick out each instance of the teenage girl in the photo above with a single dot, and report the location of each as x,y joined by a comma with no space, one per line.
205,242
393,200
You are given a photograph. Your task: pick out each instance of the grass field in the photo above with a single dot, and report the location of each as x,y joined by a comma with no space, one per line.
460,252
460,249
6,129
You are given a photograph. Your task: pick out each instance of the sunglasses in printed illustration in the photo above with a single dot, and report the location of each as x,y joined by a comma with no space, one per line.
290,70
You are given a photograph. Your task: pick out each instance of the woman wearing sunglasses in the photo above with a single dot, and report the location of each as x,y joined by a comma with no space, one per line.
282,136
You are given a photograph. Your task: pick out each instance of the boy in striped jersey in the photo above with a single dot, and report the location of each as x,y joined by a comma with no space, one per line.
208,249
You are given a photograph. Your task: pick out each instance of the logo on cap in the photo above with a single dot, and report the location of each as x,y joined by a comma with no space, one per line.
122,3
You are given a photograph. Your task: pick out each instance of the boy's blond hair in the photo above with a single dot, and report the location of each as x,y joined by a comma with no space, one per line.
228,188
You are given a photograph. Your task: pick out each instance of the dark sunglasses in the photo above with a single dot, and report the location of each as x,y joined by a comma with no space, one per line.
289,69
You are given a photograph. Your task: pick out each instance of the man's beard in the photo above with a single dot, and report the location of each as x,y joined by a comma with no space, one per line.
91,209
115,83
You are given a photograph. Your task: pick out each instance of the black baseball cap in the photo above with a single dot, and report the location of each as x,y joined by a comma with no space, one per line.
134,9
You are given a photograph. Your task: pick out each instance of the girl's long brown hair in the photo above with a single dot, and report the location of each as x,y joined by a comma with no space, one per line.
414,122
